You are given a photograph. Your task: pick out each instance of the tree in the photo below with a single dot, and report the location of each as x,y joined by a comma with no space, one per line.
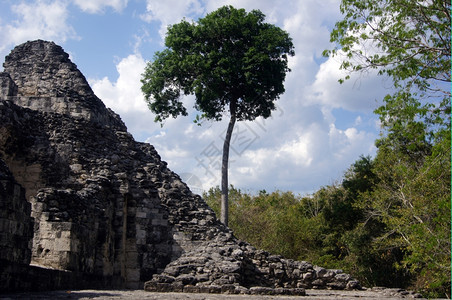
231,61
410,41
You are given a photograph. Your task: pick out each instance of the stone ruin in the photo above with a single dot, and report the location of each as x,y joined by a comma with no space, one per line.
83,205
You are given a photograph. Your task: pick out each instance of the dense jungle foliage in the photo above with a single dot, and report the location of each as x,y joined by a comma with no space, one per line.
387,223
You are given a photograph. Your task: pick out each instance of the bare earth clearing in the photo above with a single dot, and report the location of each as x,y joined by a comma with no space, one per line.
139,294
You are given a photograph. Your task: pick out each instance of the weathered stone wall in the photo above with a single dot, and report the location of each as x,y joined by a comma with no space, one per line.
91,214
80,172
16,225
107,206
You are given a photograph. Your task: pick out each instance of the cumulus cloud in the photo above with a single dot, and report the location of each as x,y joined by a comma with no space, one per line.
97,6
354,94
40,19
315,157
271,9
124,95
171,11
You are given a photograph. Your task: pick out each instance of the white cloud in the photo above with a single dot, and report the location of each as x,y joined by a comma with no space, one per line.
97,6
124,95
271,8
362,92
316,155
285,153
358,121
298,150
170,12
348,143
42,19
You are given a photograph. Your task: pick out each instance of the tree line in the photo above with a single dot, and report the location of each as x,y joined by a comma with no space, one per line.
387,222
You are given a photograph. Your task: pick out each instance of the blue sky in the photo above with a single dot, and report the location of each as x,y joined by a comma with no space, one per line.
319,129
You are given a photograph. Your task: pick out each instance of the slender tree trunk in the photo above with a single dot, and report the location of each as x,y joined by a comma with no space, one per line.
224,218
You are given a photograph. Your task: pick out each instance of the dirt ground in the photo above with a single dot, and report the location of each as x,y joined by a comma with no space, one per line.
140,294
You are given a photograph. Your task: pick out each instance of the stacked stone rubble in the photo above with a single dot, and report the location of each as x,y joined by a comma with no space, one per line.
106,205
228,265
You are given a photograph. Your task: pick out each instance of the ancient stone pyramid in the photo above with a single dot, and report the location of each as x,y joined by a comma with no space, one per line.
107,207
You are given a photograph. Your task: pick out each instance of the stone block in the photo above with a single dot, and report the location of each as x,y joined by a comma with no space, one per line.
141,215
63,243
132,259
140,233
160,222
45,244
133,274
4,225
260,290
7,85
337,285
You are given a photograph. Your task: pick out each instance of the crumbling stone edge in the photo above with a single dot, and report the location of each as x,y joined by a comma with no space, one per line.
159,287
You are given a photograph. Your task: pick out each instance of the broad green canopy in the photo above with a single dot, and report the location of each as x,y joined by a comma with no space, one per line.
230,57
